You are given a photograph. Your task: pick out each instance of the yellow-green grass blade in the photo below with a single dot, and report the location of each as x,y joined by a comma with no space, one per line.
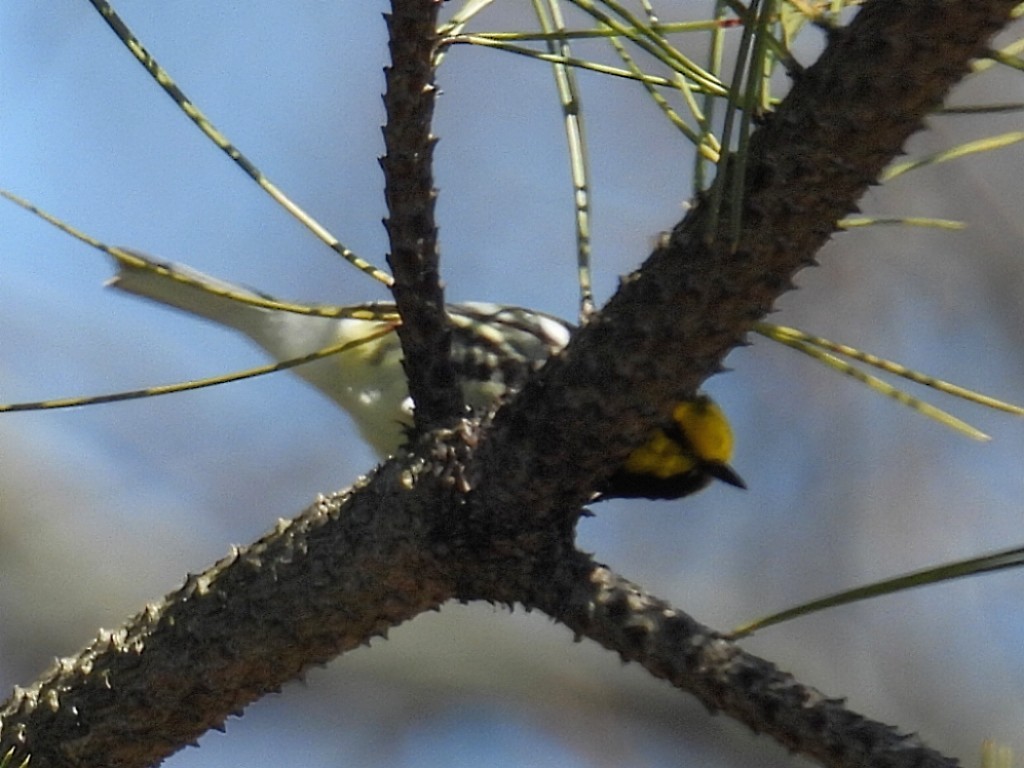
987,144
655,44
997,561
549,15
879,385
185,386
164,80
855,222
782,333
130,259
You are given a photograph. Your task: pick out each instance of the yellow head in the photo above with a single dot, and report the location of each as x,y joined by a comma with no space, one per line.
681,457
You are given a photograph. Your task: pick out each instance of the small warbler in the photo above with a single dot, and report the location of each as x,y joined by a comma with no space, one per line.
495,348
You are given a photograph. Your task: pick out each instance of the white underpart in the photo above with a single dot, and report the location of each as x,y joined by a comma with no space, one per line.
367,380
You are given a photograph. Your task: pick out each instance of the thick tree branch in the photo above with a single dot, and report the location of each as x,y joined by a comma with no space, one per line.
339,574
411,539
410,195
598,604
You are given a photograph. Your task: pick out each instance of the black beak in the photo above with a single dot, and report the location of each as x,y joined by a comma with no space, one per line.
725,473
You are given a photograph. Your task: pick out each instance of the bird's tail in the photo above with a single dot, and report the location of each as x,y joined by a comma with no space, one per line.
189,290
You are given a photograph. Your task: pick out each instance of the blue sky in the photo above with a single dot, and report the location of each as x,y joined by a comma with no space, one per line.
105,508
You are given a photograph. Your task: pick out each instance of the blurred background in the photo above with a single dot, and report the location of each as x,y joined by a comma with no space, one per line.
105,508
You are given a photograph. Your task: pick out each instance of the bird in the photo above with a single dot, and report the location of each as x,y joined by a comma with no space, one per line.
495,348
